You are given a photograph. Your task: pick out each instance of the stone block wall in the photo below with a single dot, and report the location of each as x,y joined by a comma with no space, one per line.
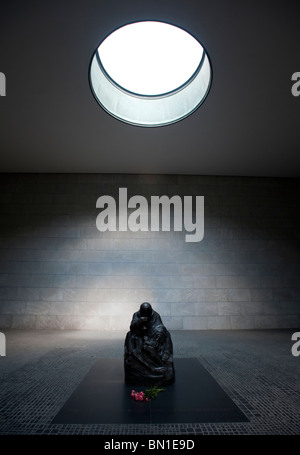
57,271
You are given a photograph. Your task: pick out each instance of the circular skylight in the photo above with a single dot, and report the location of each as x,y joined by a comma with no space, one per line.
150,73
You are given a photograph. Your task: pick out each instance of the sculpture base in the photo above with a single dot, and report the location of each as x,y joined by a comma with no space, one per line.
158,376
145,364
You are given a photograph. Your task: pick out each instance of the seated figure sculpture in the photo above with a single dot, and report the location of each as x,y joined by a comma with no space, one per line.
148,357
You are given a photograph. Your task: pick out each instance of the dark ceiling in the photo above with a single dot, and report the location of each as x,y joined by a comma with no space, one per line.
248,125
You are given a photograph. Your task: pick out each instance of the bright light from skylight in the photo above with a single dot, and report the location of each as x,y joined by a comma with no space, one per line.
150,58
150,74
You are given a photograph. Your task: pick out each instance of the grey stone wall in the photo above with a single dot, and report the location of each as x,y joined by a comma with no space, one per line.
58,271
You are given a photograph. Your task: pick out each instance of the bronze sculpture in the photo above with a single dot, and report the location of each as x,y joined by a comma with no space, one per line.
148,357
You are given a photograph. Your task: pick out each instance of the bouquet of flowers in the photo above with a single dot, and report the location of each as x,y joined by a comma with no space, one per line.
148,395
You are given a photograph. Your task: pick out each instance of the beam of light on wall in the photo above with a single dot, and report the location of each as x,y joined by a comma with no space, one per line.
150,73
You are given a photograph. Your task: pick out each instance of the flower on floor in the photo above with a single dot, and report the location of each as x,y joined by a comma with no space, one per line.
148,395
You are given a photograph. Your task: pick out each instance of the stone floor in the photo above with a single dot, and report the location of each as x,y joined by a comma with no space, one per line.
256,368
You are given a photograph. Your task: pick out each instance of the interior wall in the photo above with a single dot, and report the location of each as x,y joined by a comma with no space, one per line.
57,271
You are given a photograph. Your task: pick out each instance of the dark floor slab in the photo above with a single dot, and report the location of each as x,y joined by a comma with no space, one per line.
103,397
